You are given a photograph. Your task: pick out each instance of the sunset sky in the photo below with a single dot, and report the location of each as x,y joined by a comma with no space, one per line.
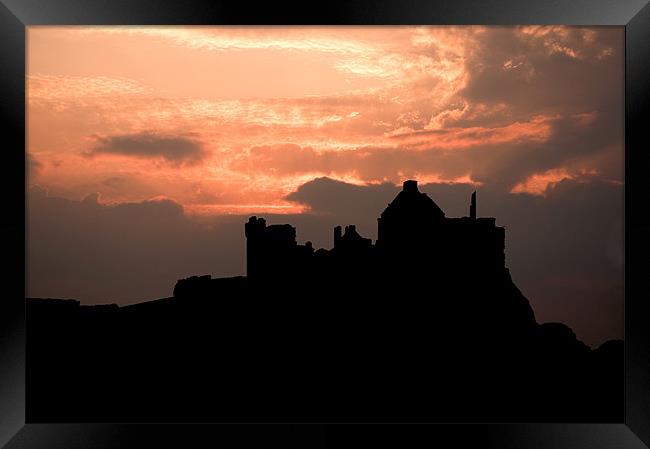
209,125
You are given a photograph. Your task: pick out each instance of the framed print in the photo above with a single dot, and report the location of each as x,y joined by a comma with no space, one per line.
368,222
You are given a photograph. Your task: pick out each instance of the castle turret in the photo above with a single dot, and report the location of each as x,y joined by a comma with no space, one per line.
254,230
410,186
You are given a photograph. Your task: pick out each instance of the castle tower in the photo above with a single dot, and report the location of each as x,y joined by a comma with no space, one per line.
254,230
409,219
270,250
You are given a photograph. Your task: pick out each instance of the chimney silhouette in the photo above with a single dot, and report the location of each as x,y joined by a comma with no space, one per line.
410,186
472,207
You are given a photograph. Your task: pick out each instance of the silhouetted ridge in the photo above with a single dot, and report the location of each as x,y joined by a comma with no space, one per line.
425,324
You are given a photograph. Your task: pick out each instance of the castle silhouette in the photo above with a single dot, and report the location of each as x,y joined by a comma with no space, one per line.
411,229
425,324
411,222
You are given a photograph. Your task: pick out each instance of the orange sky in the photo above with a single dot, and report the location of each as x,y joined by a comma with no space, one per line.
233,119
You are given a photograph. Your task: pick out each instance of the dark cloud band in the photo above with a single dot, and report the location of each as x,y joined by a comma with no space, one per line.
178,149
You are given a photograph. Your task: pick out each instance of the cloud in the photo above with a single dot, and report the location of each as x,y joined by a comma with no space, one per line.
124,252
212,39
176,149
503,157
533,69
323,196
127,185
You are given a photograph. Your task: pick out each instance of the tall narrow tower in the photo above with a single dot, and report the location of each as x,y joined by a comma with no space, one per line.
472,207
255,229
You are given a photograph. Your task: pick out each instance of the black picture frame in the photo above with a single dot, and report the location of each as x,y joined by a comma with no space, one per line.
16,15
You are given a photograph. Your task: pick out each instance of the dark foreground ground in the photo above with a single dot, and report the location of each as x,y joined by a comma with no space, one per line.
382,349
